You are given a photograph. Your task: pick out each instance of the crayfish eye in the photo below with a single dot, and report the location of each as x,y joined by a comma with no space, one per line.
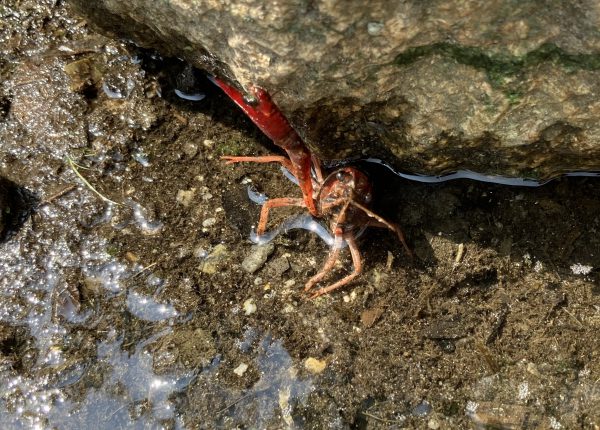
343,177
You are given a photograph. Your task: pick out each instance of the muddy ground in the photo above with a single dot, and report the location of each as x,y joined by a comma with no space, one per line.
493,325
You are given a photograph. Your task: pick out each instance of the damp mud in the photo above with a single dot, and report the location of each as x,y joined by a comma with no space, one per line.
131,295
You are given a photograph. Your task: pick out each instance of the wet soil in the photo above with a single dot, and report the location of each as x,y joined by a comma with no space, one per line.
493,325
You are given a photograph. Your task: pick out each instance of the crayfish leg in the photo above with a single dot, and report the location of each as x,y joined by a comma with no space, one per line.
284,161
377,221
328,266
275,203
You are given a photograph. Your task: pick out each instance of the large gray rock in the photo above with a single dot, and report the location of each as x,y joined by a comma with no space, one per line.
499,87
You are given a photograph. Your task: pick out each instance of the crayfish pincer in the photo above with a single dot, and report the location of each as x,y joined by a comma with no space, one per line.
343,196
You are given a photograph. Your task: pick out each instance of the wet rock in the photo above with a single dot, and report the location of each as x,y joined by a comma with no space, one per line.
429,86
83,73
190,149
280,265
215,260
189,347
257,257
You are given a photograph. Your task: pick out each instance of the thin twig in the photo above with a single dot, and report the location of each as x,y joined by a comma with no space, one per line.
238,400
235,402
58,194
145,269
383,420
574,317
73,166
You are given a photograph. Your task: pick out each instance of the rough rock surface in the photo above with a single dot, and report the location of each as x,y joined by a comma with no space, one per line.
432,86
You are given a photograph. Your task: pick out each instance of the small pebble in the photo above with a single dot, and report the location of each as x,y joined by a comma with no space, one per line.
257,257
199,252
185,196
241,369
349,297
205,193
580,269
214,260
249,307
280,265
433,424
314,365
209,222
190,149
374,28
131,257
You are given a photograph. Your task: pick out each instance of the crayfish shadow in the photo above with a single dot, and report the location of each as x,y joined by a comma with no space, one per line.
447,222
189,89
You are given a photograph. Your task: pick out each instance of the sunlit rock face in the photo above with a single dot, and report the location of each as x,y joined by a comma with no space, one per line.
429,86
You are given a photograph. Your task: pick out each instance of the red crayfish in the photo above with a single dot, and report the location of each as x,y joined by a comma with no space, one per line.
344,195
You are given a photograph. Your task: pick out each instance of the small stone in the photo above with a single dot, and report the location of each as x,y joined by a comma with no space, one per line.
190,149
131,257
580,269
257,257
280,265
433,424
532,368
285,407
374,28
314,365
185,197
214,260
205,193
200,252
249,307
241,369
209,222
